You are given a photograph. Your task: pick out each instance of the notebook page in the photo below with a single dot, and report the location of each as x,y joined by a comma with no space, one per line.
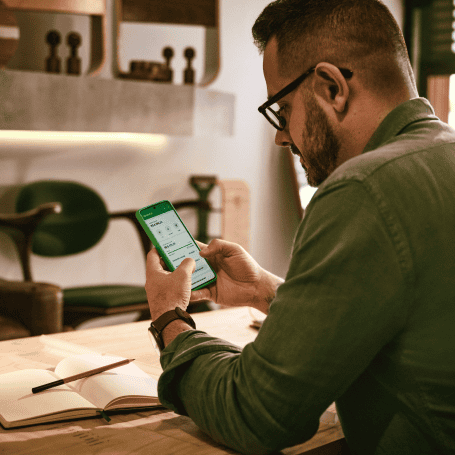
17,402
105,388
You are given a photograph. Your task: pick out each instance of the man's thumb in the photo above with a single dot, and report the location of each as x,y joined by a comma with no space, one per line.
187,266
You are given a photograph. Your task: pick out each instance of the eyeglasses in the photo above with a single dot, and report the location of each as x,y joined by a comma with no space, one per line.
277,120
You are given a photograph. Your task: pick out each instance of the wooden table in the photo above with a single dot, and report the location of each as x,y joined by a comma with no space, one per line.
158,431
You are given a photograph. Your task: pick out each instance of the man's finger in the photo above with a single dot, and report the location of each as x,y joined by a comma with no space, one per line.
201,245
201,294
221,247
153,260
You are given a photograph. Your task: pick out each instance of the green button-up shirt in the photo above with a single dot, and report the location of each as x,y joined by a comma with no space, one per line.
365,318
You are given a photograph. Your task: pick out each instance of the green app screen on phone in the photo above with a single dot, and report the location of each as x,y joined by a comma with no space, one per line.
172,237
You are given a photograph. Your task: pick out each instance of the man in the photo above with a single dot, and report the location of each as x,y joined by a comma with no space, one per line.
366,314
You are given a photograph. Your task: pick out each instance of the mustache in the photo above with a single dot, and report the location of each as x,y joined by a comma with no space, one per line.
294,150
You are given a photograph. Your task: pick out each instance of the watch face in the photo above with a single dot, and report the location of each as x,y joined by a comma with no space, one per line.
155,338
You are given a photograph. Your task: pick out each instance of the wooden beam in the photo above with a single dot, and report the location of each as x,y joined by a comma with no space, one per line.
88,7
194,12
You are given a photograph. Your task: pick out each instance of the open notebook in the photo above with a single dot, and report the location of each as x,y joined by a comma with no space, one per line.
125,387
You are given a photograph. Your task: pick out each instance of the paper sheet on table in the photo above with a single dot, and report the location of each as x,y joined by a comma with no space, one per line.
63,349
46,353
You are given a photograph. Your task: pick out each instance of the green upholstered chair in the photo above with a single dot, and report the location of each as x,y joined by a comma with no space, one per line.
79,224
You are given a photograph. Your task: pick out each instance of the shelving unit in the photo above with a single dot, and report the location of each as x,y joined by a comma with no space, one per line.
54,102
203,13
35,100
96,9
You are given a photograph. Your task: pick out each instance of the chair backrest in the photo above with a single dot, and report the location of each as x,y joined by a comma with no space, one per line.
80,224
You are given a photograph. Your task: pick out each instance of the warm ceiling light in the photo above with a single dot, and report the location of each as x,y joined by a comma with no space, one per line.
153,142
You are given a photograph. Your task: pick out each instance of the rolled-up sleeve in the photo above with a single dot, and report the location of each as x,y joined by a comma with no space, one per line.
343,299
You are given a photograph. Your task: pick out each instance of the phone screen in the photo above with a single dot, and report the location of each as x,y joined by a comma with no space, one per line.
173,241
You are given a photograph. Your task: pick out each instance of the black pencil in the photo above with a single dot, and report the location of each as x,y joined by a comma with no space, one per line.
81,375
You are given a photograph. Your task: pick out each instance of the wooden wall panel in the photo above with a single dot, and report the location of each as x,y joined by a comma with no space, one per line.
235,212
438,95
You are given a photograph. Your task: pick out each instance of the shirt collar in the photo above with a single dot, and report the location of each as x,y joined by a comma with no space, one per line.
398,119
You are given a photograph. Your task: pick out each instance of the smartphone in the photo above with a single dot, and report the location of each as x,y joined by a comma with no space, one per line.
173,241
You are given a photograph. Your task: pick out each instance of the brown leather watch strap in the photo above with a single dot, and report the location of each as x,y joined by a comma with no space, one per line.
170,316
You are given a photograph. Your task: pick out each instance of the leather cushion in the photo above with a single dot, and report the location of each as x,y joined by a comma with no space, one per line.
11,329
107,296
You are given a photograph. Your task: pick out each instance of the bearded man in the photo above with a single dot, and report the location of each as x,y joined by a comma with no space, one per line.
366,315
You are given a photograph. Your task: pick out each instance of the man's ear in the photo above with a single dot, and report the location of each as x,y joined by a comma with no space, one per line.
330,85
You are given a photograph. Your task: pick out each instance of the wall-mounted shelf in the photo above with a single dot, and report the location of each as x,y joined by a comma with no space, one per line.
35,100
96,9
203,13
41,101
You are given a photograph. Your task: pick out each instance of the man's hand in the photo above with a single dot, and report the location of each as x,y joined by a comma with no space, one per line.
241,281
167,290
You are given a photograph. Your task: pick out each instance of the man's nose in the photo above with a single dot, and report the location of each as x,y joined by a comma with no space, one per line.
282,138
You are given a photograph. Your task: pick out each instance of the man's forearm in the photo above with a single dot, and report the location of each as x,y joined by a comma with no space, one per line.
265,293
173,329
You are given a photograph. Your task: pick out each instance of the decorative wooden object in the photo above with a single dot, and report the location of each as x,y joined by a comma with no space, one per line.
53,61
152,71
235,212
73,64
188,74
96,9
196,12
9,34
168,53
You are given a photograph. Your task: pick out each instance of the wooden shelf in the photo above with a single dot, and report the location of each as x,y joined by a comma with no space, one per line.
88,7
96,9
50,102
183,12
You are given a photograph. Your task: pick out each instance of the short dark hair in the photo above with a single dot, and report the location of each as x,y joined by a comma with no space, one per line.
342,32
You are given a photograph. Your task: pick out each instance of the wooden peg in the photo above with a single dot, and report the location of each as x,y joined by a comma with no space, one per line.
53,61
168,53
188,74
73,64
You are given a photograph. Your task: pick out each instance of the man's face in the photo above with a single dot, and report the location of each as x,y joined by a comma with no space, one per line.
308,132
318,147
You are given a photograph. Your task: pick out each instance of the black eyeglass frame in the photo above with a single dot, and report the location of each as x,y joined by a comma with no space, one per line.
347,74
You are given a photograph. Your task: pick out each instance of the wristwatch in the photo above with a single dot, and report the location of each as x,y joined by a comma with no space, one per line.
156,327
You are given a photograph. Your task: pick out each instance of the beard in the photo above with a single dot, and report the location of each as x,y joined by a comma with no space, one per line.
319,143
